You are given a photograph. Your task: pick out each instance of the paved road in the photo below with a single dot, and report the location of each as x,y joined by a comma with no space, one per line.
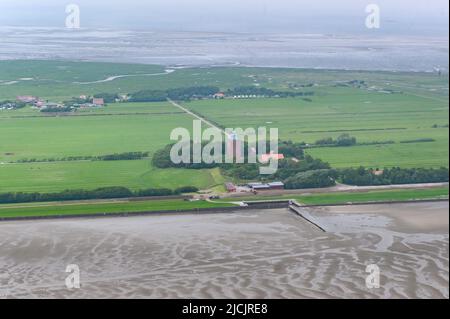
197,116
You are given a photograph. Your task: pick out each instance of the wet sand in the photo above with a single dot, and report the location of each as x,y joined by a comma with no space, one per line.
251,254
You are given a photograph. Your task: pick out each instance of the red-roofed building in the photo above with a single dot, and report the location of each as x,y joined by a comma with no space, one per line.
265,158
98,101
219,95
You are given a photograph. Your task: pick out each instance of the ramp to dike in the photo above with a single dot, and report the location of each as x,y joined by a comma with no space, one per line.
298,212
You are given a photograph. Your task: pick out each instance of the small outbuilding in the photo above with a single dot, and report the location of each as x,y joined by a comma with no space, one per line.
261,187
230,187
276,185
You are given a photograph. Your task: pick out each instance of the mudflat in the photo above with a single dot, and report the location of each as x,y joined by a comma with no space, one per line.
251,254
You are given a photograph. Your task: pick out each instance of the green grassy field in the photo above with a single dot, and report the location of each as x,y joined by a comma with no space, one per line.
375,196
118,130
55,209
356,197
44,137
369,115
57,176
57,79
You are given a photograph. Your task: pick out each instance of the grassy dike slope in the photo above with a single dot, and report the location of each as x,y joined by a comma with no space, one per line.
58,209
375,196
117,207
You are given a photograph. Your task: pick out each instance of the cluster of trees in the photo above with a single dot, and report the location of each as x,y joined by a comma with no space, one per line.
184,94
242,171
200,92
365,177
312,179
128,156
149,96
100,193
309,172
315,177
342,140
248,171
12,104
161,158
286,169
291,149
253,90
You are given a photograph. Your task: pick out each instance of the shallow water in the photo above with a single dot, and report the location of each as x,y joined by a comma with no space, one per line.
357,52
254,254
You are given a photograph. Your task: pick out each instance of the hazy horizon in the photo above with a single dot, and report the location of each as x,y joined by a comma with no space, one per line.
251,16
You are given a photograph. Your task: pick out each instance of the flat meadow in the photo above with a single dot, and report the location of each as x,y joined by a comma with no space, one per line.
134,127
390,106
369,116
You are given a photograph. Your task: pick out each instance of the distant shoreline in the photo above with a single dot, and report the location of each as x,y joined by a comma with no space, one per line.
227,65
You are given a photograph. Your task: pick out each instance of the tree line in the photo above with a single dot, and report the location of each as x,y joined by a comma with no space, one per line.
201,92
99,193
127,156
366,176
342,140
184,94
258,91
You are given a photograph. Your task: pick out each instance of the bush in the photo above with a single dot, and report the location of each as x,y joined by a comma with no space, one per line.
325,141
154,192
175,94
186,189
345,140
312,179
